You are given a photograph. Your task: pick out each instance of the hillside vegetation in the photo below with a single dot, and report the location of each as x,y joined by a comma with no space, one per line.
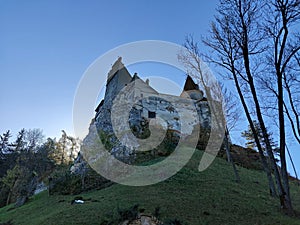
210,197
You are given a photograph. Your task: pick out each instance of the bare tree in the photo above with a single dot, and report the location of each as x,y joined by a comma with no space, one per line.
33,138
240,39
228,55
284,64
292,105
195,67
234,39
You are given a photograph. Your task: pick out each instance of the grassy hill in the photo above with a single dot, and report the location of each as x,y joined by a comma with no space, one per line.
209,197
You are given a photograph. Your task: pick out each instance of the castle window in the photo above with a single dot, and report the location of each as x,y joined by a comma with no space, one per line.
151,115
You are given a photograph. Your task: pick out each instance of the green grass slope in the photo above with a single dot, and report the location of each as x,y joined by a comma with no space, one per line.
209,197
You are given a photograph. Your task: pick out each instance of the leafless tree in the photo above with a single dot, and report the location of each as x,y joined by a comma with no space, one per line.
232,108
238,43
33,138
283,67
197,69
252,39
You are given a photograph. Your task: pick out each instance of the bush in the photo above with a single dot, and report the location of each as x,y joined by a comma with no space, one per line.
4,192
133,215
93,180
128,214
63,182
7,223
105,139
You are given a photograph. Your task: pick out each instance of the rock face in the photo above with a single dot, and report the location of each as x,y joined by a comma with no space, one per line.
132,111
41,186
80,165
143,219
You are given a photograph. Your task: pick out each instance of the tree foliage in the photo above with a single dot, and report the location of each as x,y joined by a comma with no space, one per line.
249,136
30,159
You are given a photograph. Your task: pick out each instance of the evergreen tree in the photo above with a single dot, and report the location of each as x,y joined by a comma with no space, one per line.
4,144
9,180
249,136
20,143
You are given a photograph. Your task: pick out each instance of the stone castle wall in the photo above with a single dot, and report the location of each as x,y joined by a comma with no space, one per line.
130,104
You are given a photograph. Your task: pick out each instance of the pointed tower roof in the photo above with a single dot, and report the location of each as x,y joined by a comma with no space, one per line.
190,84
118,65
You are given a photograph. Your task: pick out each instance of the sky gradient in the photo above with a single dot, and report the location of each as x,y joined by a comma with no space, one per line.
46,46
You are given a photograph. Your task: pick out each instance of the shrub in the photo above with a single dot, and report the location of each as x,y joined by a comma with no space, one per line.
173,222
105,139
7,223
128,214
63,182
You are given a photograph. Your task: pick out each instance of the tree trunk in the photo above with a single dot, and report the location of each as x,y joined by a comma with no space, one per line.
258,112
266,139
262,156
10,192
293,165
285,179
229,157
8,197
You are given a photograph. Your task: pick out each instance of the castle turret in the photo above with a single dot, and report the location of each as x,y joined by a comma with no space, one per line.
191,89
117,78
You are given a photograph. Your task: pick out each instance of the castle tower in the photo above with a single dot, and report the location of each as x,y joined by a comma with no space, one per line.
191,89
117,78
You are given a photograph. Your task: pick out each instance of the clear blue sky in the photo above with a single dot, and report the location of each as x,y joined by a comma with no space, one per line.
45,47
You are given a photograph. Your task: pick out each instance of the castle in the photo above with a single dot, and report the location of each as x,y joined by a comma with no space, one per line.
130,104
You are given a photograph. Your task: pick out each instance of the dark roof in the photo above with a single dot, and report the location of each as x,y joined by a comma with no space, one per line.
135,77
190,84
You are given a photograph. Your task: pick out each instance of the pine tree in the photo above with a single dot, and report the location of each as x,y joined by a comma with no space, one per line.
4,144
19,144
249,136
